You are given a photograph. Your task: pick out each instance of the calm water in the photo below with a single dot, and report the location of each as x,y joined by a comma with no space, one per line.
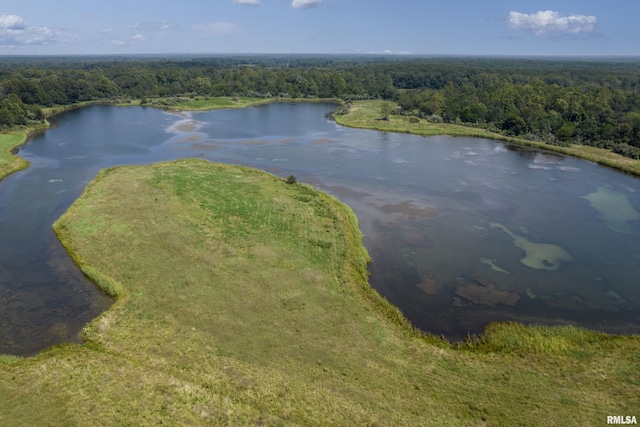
461,231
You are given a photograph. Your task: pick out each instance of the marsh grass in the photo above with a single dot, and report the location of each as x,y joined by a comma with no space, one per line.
366,115
108,285
523,340
7,359
243,300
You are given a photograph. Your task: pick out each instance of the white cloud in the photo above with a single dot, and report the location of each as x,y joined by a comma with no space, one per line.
389,52
550,22
11,22
127,41
248,2
218,28
304,4
163,25
394,52
15,32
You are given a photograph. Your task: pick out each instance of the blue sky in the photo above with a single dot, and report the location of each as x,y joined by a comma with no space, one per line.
419,27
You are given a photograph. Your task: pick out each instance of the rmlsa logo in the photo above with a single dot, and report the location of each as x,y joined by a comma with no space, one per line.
619,419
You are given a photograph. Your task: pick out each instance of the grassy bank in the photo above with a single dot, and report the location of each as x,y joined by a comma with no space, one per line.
9,162
13,138
366,115
243,300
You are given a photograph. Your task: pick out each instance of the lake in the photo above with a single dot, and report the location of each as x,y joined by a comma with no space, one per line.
461,231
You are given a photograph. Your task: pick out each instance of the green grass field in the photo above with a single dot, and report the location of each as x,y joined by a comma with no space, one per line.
366,115
10,163
243,300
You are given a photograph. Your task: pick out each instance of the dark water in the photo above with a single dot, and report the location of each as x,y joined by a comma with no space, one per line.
461,231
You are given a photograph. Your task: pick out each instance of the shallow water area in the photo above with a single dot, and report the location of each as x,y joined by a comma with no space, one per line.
461,231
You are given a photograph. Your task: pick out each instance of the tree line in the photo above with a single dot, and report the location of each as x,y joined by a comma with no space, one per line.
560,102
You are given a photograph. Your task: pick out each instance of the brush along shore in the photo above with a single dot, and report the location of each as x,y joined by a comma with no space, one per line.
243,300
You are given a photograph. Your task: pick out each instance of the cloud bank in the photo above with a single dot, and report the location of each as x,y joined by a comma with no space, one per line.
551,22
304,4
248,2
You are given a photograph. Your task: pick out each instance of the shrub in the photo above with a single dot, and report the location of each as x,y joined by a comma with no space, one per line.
435,118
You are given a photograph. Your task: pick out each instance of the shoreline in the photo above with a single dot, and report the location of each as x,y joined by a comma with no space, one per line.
244,300
252,306
12,140
360,120
364,115
113,288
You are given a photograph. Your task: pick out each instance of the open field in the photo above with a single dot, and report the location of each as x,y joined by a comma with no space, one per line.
243,300
366,115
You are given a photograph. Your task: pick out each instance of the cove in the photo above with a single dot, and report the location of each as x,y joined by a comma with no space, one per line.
461,231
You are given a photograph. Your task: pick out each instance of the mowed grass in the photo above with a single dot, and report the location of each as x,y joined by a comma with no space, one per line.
9,162
243,300
366,115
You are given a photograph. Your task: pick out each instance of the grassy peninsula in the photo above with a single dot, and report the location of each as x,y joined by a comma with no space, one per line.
243,300
367,115
199,103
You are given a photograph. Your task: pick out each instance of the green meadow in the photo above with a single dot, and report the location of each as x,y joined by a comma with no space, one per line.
243,300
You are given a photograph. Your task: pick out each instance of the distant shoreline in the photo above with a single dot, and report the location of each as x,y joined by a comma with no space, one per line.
362,115
366,115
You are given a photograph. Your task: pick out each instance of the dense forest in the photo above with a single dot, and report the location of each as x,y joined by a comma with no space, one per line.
595,102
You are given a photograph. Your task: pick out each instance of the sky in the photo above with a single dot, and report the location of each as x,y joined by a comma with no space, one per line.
394,27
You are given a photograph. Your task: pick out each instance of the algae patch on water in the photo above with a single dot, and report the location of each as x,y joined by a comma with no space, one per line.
615,210
491,263
541,256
